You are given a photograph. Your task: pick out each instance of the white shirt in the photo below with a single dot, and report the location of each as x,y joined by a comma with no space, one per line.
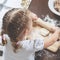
29,47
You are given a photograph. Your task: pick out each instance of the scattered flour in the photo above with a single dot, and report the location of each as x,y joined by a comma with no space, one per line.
50,20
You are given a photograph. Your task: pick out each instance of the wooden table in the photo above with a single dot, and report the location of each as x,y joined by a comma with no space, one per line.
40,7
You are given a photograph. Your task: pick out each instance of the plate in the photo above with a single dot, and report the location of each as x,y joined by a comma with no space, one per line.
51,7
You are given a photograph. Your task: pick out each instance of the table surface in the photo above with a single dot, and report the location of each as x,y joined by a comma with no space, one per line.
40,7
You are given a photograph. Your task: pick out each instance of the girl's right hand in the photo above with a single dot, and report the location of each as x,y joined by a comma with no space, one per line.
58,30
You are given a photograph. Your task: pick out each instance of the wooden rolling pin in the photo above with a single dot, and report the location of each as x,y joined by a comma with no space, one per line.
54,47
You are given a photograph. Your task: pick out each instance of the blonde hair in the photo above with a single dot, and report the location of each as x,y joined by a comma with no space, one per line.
14,22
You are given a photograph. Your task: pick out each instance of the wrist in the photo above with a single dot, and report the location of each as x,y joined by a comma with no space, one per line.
58,31
55,29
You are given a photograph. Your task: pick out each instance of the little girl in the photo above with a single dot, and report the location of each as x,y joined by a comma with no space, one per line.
17,25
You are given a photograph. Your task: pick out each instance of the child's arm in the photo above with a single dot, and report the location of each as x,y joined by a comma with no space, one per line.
45,25
52,39
41,22
39,43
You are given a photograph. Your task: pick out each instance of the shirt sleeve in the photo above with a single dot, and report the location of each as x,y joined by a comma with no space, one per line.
35,45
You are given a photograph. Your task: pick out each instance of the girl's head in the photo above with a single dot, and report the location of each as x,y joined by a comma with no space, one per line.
17,23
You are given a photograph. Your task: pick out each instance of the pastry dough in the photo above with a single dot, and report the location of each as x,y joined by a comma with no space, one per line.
44,32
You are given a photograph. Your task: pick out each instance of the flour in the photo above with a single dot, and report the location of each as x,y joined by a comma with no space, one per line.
53,22
50,20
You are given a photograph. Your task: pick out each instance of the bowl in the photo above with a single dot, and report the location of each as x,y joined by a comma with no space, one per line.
51,7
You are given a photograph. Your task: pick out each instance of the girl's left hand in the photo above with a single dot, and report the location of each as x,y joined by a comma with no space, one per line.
33,16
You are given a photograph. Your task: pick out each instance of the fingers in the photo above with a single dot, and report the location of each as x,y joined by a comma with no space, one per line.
58,30
33,16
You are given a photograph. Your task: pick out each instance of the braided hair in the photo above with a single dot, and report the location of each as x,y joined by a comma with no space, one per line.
14,22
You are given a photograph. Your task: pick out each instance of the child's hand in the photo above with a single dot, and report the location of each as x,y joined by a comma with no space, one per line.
58,30
33,16
55,29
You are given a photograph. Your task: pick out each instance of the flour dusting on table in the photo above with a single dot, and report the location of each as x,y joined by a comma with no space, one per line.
52,21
